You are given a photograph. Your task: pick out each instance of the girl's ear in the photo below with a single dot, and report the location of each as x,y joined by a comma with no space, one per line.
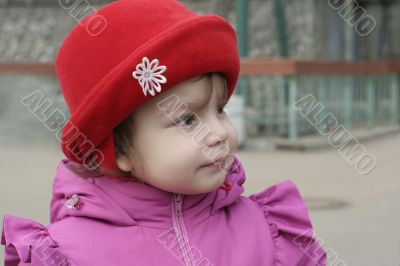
124,163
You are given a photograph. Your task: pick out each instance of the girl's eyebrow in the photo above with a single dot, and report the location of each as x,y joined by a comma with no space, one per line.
182,106
193,103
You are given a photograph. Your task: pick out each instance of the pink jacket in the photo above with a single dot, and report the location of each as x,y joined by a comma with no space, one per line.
103,221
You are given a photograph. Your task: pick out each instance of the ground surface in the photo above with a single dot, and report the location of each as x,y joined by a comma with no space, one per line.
363,229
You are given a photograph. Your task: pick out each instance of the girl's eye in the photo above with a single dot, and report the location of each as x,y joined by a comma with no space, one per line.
186,120
190,118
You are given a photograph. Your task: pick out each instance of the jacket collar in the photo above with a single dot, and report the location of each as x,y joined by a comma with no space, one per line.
123,202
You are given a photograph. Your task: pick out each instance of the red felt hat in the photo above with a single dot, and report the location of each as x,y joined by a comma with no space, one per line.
124,55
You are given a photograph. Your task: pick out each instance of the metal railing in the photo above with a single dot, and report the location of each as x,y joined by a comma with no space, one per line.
359,95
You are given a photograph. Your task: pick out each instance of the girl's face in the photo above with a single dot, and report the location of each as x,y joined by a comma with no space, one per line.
180,132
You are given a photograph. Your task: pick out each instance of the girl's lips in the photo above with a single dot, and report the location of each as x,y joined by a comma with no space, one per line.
211,167
215,163
220,165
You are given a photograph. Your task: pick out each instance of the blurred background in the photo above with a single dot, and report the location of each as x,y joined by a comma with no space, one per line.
344,55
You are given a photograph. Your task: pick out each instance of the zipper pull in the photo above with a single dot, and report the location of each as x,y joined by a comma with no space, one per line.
178,204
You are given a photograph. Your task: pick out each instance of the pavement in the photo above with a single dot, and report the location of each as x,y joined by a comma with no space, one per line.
356,217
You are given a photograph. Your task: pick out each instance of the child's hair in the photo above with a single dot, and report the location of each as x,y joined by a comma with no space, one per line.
123,136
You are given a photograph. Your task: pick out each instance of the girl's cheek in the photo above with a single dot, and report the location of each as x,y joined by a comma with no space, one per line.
233,139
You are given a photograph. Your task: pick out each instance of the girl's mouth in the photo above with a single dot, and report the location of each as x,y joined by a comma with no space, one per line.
216,163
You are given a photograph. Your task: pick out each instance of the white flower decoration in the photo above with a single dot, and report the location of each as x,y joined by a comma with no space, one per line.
149,75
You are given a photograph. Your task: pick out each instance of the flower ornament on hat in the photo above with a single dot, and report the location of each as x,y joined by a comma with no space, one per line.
149,75
107,77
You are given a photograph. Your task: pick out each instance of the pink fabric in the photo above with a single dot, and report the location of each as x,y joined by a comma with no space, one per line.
128,223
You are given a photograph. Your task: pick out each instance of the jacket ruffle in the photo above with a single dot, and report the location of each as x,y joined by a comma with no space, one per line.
287,217
28,243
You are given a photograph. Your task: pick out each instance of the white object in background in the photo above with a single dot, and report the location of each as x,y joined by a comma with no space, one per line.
235,110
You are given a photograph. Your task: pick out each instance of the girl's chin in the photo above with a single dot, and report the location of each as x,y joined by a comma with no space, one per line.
205,181
203,188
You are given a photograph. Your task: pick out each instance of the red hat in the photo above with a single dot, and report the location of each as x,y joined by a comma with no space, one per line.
124,55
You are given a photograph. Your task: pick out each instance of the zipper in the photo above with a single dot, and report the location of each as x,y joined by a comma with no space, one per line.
180,230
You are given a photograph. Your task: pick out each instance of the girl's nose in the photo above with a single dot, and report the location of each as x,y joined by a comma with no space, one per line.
219,134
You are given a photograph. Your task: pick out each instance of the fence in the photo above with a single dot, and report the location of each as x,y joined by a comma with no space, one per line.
360,94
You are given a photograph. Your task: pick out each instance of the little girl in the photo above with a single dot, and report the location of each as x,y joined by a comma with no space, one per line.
151,175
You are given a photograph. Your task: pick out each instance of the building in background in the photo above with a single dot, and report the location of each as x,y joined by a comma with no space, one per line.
32,30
